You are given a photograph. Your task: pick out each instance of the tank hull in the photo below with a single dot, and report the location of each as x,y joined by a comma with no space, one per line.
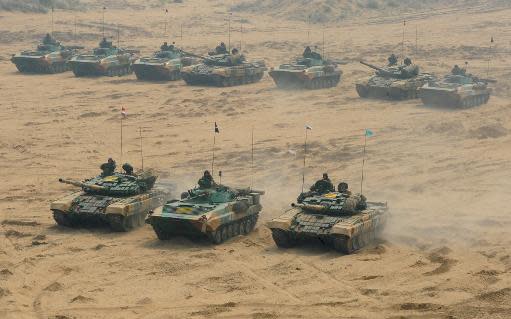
119,213
155,72
345,234
82,68
451,98
300,80
222,76
39,65
378,87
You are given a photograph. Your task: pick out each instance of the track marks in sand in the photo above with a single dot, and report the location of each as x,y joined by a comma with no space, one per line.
439,256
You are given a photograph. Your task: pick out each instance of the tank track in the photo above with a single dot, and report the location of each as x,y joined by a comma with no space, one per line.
219,81
467,102
239,227
45,69
111,72
117,223
340,243
314,84
393,94
150,75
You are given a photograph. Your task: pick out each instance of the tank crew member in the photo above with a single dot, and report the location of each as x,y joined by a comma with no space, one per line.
221,49
206,181
458,71
128,169
392,60
105,44
165,47
48,39
343,188
108,168
307,53
323,185
408,70
235,57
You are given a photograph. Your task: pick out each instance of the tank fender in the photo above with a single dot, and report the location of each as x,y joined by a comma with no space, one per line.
64,204
284,221
141,203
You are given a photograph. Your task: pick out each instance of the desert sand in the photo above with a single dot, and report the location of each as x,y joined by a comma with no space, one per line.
446,174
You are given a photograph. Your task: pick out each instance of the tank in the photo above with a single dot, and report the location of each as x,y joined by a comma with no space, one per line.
106,60
307,73
345,222
217,213
456,91
50,57
120,201
163,65
393,83
223,70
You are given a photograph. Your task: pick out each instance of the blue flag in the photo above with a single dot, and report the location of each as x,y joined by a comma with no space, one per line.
369,133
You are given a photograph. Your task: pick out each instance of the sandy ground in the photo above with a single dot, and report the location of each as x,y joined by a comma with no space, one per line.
445,174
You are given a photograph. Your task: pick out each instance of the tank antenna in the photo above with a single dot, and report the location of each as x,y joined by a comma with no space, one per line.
103,26
323,49
252,161
229,31
141,149
308,29
489,58
166,19
217,131
368,133
403,40
52,11
241,33
118,36
124,114
75,29
307,128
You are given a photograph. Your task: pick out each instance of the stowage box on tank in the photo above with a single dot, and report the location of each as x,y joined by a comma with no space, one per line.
345,222
217,213
118,200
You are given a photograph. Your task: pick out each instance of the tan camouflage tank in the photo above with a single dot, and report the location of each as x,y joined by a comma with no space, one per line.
119,200
217,213
344,222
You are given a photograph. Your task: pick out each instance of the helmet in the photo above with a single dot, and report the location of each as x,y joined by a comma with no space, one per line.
408,61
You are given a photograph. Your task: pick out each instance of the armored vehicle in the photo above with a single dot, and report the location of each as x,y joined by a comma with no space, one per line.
223,70
217,213
394,82
345,222
164,65
456,90
49,57
307,72
119,200
105,60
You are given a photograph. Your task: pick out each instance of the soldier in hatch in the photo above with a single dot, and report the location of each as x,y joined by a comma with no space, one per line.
323,185
392,60
235,57
108,168
105,44
458,71
343,188
206,181
221,49
165,47
128,169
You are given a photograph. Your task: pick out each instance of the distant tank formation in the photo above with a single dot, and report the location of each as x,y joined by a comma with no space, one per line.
456,90
164,65
49,57
212,211
120,200
393,82
105,60
310,71
344,221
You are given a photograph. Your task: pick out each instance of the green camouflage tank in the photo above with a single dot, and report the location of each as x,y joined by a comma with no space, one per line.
393,83
223,70
119,200
164,65
345,222
49,57
217,213
307,73
105,60
457,91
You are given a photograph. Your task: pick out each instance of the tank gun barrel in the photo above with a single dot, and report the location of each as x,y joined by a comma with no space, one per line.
81,184
317,208
194,55
74,47
371,66
486,80
249,190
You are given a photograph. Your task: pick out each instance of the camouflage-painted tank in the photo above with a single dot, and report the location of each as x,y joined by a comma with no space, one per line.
164,65
105,60
223,70
217,213
49,57
308,73
393,83
456,90
345,222
120,201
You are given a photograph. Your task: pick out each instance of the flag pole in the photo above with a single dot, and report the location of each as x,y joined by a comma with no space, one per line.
121,135
489,58
141,150
363,163
304,157
213,159
252,161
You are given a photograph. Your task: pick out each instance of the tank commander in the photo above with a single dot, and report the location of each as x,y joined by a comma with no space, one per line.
105,44
235,57
343,188
165,47
206,181
408,70
221,49
392,60
307,53
323,185
458,71
48,39
128,169
108,168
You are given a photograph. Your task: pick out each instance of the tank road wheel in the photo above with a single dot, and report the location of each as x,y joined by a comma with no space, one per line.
120,223
344,244
236,228
62,219
216,236
282,238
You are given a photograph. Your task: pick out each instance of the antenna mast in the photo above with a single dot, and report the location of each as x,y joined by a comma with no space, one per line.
103,27
141,150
